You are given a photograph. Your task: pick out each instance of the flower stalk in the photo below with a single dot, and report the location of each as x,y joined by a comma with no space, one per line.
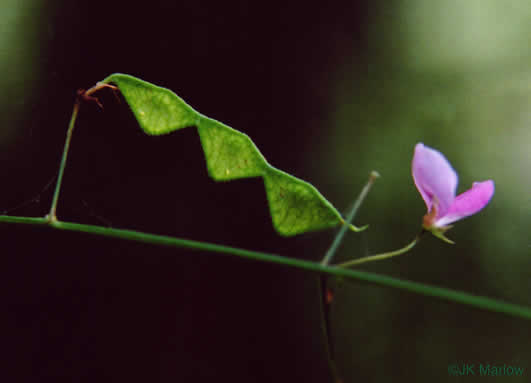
382,256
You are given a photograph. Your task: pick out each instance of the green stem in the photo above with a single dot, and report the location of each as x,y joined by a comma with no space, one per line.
363,276
339,237
379,257
52,215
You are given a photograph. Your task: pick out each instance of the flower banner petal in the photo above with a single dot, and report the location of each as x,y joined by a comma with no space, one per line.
434,178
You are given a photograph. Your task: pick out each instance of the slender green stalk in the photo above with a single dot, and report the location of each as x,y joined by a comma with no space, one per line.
339,237
52,215
379,257
362,276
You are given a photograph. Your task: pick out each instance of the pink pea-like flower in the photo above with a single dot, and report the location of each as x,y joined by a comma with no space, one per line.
436,181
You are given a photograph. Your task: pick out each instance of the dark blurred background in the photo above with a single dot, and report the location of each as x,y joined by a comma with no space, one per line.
328,92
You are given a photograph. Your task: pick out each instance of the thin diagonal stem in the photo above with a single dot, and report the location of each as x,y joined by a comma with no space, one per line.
339,237
52,216
81,95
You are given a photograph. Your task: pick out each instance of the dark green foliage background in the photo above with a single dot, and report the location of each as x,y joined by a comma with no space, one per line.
327,93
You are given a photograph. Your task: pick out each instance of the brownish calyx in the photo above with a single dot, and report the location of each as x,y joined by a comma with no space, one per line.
429,219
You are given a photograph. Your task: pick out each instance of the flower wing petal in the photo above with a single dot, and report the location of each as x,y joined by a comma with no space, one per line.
469,202
434,178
